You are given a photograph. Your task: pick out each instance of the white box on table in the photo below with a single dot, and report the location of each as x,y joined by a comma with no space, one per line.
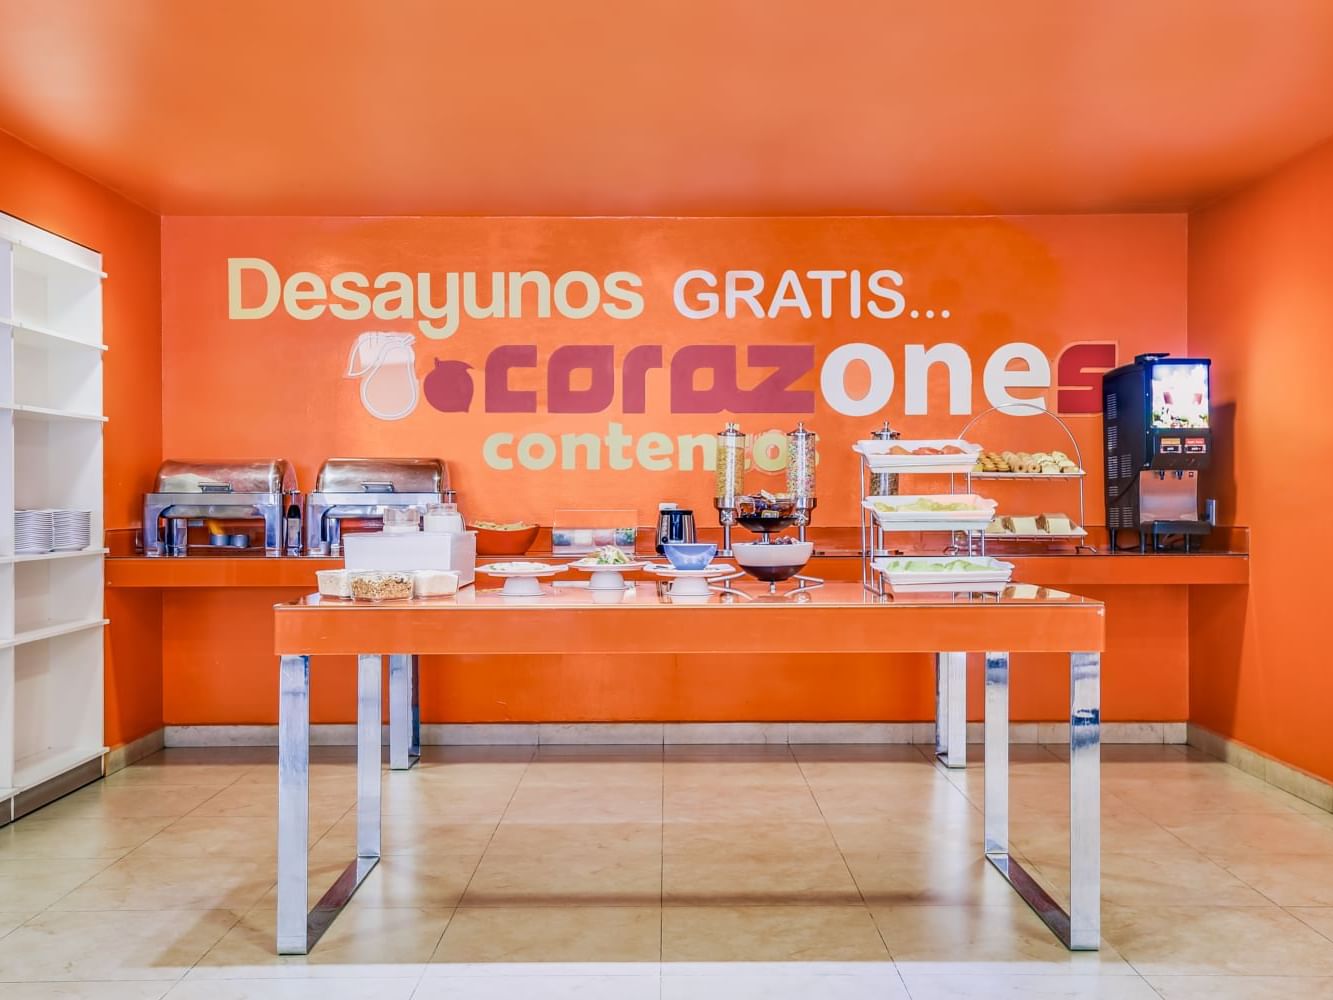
413,550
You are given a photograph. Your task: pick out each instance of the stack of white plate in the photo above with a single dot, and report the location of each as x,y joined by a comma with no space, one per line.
34,531
72,530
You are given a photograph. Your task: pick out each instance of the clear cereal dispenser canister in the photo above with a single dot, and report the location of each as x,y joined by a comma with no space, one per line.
729,480
801,475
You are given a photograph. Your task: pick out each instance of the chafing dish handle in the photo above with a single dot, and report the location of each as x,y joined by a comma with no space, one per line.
377,486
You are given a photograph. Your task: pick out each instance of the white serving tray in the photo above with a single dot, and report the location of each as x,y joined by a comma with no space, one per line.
877,457
992,580
945,520
1038,536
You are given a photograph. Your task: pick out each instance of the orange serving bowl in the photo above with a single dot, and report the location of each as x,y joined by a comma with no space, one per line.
514,542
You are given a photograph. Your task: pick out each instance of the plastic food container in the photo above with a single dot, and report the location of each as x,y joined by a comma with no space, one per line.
434,583
398,520
380,585
334,583
443,518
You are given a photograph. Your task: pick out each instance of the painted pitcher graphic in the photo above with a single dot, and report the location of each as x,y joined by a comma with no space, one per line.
386,365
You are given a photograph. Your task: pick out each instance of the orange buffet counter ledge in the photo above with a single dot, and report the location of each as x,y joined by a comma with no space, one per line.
216,645
1224,560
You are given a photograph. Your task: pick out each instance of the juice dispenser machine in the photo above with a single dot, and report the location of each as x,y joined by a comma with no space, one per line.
1157,439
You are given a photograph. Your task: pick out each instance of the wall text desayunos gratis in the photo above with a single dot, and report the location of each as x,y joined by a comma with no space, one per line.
438,303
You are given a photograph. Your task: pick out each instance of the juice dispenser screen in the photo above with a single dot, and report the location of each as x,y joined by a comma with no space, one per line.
1179,395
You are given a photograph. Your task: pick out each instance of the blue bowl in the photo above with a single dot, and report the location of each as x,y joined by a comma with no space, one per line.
689,555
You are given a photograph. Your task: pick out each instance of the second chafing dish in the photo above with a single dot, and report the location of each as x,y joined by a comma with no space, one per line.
361,488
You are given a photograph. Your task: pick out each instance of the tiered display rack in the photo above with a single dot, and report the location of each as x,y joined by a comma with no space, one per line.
873,544
1080,532
51,624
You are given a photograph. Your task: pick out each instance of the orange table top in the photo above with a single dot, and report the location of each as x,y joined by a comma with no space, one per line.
836,618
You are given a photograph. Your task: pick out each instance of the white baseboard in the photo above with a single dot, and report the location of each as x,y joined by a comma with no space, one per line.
127,753
1311,788
671,733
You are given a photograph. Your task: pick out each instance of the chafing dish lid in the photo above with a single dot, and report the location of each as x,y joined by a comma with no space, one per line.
258,475
377,475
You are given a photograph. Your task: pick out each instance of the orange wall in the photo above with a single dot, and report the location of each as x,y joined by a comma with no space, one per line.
1050,281
47,194
1261,306
1047,281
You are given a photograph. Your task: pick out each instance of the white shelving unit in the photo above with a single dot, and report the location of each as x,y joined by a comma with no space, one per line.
51,623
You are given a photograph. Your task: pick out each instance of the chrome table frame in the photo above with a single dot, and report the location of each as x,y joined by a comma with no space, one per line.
1080,928
404,711
951,709
298,931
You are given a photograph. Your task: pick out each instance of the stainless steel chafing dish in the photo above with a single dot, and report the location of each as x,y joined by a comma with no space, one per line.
362,488
251,488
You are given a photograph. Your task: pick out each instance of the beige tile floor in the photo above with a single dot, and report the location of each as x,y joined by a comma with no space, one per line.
691,872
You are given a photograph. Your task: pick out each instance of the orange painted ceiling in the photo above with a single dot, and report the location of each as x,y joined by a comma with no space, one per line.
688,107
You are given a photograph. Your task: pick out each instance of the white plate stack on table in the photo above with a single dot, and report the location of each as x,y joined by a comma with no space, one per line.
945,574
521,579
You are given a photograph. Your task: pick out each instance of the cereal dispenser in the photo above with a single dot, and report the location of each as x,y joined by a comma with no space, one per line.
729,482
801,475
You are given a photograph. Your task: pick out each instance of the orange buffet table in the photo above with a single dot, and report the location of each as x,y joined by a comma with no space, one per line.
839,618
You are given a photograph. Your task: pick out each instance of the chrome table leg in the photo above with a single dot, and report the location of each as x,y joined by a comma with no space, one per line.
1085,800
297,930
293,802
951,709
404,712
996,794
1080,929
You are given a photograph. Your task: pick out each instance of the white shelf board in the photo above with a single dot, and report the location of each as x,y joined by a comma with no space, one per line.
39,334
46,764
43,556
21,410
58,258
53,631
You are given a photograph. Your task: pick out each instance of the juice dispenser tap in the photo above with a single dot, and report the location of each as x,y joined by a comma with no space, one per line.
801,475
729,481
